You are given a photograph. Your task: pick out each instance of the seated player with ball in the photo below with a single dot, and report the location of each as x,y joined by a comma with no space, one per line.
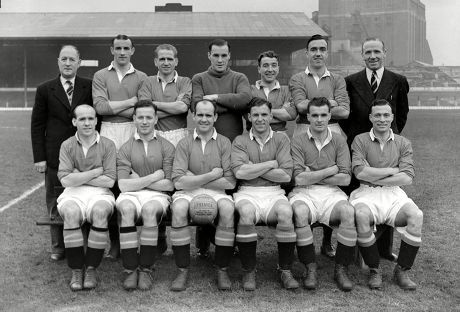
87,169
144,165
202,169
261,160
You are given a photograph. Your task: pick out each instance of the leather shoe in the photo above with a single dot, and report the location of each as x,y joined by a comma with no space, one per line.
401,278
56,256
76,282
203,253
130,281
180,282
223,280
90,281
309,277
341,277
287,280
114,251
249,280
145,279
328,250
375,279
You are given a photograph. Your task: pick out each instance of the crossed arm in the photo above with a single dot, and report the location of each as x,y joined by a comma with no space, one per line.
93,177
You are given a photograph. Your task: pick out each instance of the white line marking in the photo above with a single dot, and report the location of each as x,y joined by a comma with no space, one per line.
15,128
23,196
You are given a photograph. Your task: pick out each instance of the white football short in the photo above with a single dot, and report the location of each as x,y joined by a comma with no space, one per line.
140,198
320,199
119,133
85,197
263,198
383,201
174,136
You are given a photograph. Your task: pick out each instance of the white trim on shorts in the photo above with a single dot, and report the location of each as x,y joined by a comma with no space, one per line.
263,198
85,196
140,198
320,199
384,202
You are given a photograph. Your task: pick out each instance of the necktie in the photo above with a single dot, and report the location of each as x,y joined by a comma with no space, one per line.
69,90
374,82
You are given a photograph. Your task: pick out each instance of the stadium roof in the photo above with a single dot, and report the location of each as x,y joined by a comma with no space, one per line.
158,24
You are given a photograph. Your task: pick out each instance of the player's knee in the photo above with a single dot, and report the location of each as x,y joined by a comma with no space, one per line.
151,210
71,214
347,214
226,209
127,209
416,217
284,213
361,215
300,211
246,213
179,210
100,213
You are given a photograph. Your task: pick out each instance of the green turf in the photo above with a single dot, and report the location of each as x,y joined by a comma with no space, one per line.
30,282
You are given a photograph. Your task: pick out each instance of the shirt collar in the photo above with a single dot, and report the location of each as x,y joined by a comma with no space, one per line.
261,84
130,70
326,73
379,73
270,135
64,80
98,138
138,137
174,79
372,135
329,134
214,134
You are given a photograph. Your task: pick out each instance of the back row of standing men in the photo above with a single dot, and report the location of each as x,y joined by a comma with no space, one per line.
116,89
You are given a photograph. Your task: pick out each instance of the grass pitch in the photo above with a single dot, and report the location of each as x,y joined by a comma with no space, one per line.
30,282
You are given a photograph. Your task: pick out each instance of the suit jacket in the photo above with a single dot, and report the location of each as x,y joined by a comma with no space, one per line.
393,88
51,122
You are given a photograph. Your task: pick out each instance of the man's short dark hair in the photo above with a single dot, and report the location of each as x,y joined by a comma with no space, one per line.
318,102
122,37
165,46
372,39
144,103
218,43
207,101
257,102
317,37
270,54
70,46
380,102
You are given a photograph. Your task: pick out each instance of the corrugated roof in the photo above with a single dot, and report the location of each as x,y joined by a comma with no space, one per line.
158,24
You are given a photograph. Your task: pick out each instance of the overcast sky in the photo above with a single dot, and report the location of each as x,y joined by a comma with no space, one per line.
441,15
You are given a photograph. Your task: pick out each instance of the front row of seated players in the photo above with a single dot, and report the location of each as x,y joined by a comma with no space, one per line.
261,161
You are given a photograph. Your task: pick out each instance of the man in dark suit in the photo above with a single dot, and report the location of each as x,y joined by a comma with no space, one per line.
374,82
51,124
